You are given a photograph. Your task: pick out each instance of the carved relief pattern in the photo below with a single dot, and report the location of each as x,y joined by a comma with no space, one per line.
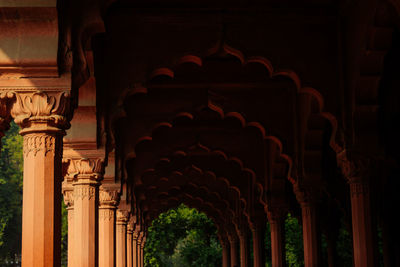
122,216
359,188
90,168
106,214
354,168
84,192
108,197
68,198
40,106
38,142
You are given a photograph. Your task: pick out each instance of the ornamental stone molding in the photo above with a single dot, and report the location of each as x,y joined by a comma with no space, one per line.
33,143
354,168
106,214
41,111
84,192
85,168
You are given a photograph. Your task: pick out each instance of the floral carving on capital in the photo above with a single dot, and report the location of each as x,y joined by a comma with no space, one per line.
122,216
44,111
85,168
82,192
33,143
108,197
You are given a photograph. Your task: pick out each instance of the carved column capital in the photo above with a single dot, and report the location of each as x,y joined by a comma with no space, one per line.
355,168
68,193
306,196
276,214
41,111
108,198
85,169
122,216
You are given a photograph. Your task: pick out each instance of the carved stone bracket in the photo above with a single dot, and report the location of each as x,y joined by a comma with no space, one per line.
306,196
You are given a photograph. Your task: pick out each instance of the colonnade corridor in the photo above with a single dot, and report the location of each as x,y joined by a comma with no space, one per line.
277,119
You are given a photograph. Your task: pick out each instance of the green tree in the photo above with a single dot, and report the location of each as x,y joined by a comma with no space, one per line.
182,237
11,166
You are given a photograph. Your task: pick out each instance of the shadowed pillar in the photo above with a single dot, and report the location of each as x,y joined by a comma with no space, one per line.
86,173
364,254
306,198
108,201
258,229
122,220
143,243
277,224
233,243
225,250
244,246
42,119
69,203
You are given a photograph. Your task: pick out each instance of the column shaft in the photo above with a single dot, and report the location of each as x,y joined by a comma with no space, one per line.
362,225
258,244
122,219
129,248
310,235
41,210
85,223
106,236
278,243
225,255
244,248
70,236
234,253
134,250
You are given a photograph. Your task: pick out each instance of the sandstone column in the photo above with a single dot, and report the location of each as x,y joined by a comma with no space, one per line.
122,220
143,243
233,242
310,230
69,202
108,200
135,236
42,119
277,225
225,251
364,254
129,248
258,230
86,173
244,247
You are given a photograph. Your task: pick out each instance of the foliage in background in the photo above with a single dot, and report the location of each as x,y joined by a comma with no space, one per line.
11,169
11,166
182,237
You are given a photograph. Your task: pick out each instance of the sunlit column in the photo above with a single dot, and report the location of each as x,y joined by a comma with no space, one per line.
108,200
129,243
122,220
69,203
86,173
135,236
42,118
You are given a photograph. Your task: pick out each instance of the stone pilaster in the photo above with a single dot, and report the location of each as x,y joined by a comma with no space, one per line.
43,118
108,201
85,173
122,220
